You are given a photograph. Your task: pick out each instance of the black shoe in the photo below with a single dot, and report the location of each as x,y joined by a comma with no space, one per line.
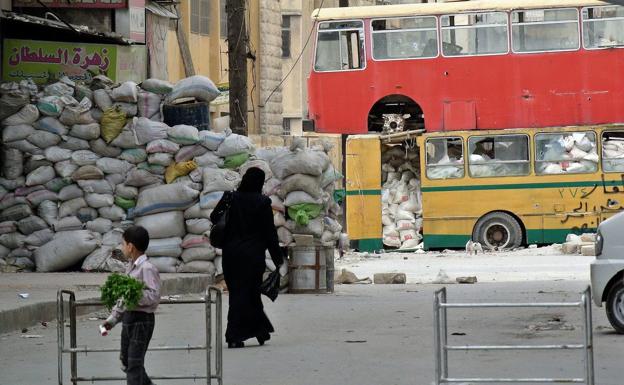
263,339
235,345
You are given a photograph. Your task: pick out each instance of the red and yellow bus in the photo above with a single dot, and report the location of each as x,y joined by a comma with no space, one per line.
490,64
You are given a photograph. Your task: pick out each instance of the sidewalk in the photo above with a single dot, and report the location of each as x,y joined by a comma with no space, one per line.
40,306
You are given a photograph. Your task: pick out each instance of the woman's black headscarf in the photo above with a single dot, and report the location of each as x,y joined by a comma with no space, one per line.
253,180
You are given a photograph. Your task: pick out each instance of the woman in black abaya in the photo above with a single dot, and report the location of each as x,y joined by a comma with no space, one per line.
249,232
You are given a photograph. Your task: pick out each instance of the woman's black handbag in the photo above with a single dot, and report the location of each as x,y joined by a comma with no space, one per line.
217,232
270,286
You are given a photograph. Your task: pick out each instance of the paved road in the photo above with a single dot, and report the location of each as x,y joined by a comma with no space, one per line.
361,335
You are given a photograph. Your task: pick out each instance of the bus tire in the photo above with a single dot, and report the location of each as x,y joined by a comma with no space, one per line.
614,306
498,231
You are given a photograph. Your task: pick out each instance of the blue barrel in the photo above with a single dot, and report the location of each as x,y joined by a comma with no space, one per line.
192,114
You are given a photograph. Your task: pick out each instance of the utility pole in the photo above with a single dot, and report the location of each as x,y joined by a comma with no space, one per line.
237,63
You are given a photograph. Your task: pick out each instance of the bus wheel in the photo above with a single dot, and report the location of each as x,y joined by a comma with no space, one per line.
615,307
498,231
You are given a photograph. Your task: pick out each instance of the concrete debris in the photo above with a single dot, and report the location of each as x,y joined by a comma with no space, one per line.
347,277
443,278
588,250
471,279
389,279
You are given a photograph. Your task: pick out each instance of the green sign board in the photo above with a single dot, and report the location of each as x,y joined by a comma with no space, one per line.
45,61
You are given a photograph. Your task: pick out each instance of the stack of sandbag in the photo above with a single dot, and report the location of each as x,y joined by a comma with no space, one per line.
572,153
613,154
401,198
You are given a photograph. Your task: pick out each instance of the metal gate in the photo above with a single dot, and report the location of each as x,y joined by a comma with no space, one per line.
442,348
213,297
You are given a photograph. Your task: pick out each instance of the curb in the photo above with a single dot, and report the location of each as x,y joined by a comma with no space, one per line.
31,314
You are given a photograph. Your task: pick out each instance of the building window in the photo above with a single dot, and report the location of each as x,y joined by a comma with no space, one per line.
474,34
223,22
445,159
286,126
286,36
200,16
545,30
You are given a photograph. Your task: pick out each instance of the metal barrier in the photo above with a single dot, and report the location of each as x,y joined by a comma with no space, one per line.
213,296
442,348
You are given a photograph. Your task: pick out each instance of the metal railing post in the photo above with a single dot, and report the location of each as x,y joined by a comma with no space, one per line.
72,337
60,333
444,336
436,337
589,343
219,335
208,306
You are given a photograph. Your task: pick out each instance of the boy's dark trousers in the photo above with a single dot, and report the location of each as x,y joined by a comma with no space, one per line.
136,333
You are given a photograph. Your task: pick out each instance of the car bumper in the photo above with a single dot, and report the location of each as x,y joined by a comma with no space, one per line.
602,270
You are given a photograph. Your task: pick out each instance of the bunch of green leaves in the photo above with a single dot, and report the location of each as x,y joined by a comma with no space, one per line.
119,286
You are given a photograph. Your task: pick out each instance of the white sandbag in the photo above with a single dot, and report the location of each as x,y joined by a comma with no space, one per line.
189,152
125,139
164,247
271,186
31,224
97,201
279,219
26,115
157,86
138,178
48,211
74,144
209,159
196,211
210,200
101,260
215,179
36,197
12,240
392,241
41,175
277,204
68,224
198,225
8,227
165,264
134,156
10,200
300,162
58,89
183,134
114,213
39,238
57,184
12,163
115,179
84,157
196,176
257,163
102,99
405,215
87,214
71,207
113,238
301,182
126,192
77,113
406,235
160,159
17,132
154,169
285,236
235,144
50,106
163,225
198,87
299,197
100,147
126,92
12,184
162,145
218,262
113,166
65,169
65,250
194,240
146,130
85,131
95,186
25,146
57,154
130,109
206,267
210,139
52,125
315,227
70,192
165,198
43,139
87,173
198,254
268,153
100,225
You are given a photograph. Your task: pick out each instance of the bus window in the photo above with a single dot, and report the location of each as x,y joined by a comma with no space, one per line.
500,155
566,153
474,34
405,38
603,27
445,159
613,151
340,46
545,30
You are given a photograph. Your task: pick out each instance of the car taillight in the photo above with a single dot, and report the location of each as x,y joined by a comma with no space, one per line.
599,243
